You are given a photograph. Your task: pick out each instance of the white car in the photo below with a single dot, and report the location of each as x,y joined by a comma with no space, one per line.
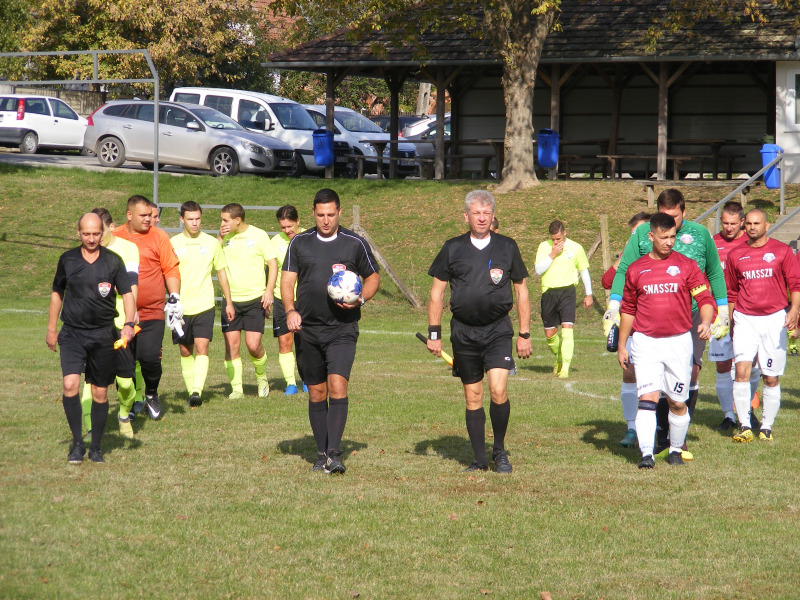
31,123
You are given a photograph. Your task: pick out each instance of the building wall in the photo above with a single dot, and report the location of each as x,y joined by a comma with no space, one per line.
787,116
731,105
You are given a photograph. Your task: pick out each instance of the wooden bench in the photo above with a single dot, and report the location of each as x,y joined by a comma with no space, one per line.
571,160
457,160
615,161
650,187
421,163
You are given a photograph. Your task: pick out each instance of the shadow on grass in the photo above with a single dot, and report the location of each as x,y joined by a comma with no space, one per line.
450,447
605,435
306,448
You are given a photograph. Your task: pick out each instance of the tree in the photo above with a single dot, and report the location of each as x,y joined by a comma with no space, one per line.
14,17
214,42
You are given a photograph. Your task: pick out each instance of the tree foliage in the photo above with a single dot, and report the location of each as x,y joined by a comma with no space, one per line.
214,42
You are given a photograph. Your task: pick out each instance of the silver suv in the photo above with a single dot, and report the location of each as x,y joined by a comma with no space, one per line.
189,136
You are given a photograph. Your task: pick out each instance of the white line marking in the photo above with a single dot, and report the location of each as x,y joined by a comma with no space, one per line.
569,387
22,310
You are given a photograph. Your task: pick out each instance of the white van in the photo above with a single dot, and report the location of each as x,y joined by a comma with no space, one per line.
274,116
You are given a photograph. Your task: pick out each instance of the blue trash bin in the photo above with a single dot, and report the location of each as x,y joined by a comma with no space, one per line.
772,176
323,147
547,148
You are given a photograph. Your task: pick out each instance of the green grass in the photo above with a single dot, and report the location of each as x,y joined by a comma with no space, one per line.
220,501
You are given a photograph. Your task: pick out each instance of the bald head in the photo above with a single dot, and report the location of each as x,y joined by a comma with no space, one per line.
756,226
90,231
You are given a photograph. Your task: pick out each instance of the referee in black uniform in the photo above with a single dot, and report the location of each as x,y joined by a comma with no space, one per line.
84,294
325,332
481,267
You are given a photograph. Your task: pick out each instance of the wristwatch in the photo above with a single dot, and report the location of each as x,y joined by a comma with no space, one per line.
363,302
526,335
130,324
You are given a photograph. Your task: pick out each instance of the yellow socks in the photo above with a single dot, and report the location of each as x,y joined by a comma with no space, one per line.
287,363
260,366
200,373
567,351
86,405
234,370
126,392
187,370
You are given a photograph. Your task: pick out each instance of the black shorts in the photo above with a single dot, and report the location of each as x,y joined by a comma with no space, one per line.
558,306
90,351
478,348
147,344
279,327
248,316
126,363
200,325
698,345
325,350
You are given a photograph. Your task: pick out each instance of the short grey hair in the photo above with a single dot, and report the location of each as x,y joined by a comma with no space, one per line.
482,197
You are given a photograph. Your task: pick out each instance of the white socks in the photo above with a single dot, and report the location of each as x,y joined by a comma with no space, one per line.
725,394
741,400
678,426
771,399
630,403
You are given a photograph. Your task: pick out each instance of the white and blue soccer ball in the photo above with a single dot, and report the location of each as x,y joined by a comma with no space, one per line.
344,287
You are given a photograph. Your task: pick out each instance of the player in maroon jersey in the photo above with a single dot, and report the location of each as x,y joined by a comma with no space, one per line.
759,273
657,305
720,351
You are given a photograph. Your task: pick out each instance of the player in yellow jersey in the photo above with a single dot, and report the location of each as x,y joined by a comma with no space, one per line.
125,363
248,252
289,221
199,254
561,262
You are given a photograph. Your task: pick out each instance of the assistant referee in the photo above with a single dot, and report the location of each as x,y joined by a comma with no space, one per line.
481,267
326,332
84,295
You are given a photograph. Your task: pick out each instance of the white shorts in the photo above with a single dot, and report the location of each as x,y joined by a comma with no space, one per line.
720,350
663,364
762,334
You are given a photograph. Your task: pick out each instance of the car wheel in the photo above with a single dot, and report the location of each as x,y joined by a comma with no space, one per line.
299,166
111,152
224,162
147,165
30,143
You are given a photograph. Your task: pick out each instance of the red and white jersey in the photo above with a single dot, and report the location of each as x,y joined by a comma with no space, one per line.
758,278
724,246
658,294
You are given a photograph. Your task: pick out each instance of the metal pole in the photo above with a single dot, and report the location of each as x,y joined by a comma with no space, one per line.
156,119
783,195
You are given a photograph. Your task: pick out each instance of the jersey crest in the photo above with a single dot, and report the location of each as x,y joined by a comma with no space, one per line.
673,270
104,288
338,267
687,238
496,275
769,257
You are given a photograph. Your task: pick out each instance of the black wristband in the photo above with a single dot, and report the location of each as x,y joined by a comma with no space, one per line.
130,324
434,332
526,335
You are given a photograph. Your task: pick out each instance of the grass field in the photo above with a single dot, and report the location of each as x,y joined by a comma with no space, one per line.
220,501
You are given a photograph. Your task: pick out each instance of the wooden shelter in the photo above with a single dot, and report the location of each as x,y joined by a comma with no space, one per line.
704,98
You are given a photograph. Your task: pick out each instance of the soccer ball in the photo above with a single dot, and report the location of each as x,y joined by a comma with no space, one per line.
344,287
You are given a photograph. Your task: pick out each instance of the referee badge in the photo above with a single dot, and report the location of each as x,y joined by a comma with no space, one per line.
496,275
104,288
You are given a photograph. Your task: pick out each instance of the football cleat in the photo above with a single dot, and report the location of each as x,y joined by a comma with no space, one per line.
630,439
76,454
765,434
153,403
744,436
290,390
138,407
500,459
319,465
476,467
305,387
125,428
96,456
334,463
236,395
195,399
686,455
727,423
263,387
675,459
647,462
754,422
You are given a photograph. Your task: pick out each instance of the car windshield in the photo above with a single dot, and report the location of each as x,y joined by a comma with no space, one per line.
215,119
292,116
352,121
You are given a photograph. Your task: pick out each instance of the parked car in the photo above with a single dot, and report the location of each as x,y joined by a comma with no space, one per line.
355,127
189,136
427,150
274,116
422,125
31,123
403,121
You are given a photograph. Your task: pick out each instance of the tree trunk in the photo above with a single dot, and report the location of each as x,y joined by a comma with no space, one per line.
520,37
